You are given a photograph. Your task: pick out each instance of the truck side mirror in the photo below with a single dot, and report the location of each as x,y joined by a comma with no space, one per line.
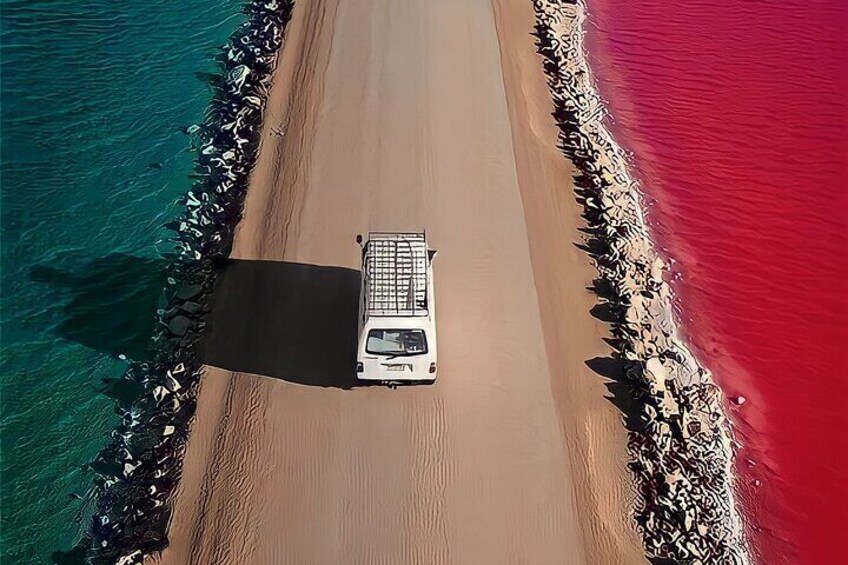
359,238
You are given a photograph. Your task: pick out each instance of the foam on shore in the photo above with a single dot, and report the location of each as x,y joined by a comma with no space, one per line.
681,442
140,466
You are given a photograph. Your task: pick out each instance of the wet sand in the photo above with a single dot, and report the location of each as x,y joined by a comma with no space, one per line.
390,115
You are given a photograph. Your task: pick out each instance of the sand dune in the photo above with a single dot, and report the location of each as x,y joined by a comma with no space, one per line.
410,115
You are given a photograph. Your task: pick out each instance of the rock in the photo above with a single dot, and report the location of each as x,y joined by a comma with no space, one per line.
238,76
658,267
159,393
655,371
190,307
692,425
129,558
171,383
688,377
189,291
688,519
649,413
179,325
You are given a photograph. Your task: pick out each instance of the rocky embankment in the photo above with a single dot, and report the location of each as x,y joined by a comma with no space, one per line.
681,441
140,466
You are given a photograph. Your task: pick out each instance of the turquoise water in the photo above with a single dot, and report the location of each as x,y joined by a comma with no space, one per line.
94,97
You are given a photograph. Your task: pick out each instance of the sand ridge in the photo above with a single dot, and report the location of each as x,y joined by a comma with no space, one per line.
417,115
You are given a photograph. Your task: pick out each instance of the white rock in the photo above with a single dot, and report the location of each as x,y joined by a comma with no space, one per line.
159,393
129,558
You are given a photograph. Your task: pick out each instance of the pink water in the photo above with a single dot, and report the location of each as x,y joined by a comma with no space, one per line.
736,115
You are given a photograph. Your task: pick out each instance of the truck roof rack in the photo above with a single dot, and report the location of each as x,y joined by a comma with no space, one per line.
396,274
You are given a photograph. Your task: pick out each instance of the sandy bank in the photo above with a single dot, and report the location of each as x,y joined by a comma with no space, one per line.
411,115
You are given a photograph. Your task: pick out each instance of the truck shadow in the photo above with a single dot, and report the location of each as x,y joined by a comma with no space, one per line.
290,321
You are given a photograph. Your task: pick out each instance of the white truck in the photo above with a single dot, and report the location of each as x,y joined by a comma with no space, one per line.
397,316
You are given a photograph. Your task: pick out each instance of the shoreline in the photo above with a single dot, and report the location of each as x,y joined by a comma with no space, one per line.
139,468
682,442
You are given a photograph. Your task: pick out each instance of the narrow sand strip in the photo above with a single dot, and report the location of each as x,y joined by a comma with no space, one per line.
406,115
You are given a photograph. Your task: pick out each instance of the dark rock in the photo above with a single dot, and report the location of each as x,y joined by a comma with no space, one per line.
191,307
179,325
188,292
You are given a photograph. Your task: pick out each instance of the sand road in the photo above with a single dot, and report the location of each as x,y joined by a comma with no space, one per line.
409,115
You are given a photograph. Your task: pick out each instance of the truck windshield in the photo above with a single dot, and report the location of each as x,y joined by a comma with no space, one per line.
396,342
